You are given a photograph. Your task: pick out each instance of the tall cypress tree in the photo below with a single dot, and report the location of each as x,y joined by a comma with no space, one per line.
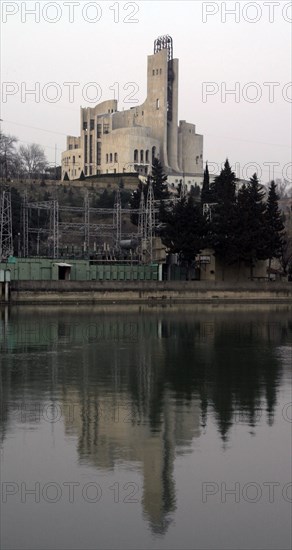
224,186
224,216
250,234
159,181
205,194
185,230
274,227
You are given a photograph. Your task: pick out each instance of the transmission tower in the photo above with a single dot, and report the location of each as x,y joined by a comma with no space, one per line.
54,227
142,217
142,226
150,220
24,224
118,218
6,239
86,221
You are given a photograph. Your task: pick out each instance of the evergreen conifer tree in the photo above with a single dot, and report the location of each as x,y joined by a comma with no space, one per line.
205,194
224,216
274,227
185,231
250,231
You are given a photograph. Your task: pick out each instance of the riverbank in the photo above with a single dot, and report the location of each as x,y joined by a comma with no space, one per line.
150,292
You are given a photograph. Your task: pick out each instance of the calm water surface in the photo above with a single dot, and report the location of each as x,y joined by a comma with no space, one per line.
146,428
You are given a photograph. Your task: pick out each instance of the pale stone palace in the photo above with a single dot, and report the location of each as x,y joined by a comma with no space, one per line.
113,141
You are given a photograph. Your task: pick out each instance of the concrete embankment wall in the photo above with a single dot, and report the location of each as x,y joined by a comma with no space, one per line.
148,292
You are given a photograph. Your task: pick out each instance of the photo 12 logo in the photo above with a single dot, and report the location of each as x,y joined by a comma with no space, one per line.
54,12
248,12
53,92
249,92
69,491
268,171
250,492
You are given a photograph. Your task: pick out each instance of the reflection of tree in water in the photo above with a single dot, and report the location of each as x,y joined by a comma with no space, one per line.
233,368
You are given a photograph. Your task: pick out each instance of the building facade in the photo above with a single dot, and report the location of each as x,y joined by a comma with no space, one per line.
113,141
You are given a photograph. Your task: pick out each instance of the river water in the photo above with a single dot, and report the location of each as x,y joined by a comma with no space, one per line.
139,427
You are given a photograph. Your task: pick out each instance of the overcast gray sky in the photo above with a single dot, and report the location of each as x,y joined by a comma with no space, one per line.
108,42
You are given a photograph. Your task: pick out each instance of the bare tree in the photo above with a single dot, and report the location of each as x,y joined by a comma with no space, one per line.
33,158
8,155
283,188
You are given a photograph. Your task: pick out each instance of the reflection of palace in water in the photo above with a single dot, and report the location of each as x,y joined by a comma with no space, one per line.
114,426
136,386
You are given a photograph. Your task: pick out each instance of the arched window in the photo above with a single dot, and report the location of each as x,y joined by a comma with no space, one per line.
111,157
116,157
147,156
153,153
141,155
107,158
136,155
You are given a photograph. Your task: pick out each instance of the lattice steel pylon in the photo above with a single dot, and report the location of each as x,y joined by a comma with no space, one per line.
118,218
6,238
54,227
24,225
150,220
142,236
86,221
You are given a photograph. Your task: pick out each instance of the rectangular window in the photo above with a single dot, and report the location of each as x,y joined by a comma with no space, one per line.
90,149
157,104
90,170
85,170
98,130
70,147
116,157
98,154
85,125
106,128
85,149
91,124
